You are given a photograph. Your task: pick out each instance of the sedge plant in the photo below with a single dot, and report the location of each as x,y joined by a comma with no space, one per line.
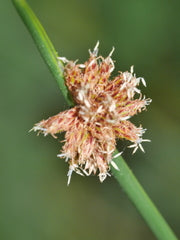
99,113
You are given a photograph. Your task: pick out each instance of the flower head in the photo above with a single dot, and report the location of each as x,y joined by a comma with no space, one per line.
100,116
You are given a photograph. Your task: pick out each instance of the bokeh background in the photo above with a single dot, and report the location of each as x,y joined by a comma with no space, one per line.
35,201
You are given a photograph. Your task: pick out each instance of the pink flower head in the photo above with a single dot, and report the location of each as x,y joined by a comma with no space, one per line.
100,116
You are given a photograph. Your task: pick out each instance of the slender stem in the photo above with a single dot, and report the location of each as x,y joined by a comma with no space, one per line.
140,199
44,45
125,177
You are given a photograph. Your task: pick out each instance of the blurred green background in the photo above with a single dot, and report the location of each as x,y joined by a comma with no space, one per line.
35,201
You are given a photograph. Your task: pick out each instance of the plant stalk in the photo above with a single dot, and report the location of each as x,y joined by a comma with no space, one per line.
140,199
44,45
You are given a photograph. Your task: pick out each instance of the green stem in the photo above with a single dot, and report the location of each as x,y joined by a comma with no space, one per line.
125,177
140,199
44,45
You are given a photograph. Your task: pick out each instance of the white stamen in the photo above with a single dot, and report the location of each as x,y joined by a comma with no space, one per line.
138,144
102,176
110,121
95,51
148,101
112,107
78,172
143,81
69,174
76,61
132,69
124,118
137,90
130,93
110,151
71,169
133,145
112,67
86,119
87,103
130,77
61,155
84,171
91,63
98,124
63,59
82,65
141,147
36,128
99,109
117,155
81,112
110,54
83,108
87,165
124,75
91,169
81,94
114,165
123,86
146,140
135,149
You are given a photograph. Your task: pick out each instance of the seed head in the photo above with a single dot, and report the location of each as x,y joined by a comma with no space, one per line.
101,115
